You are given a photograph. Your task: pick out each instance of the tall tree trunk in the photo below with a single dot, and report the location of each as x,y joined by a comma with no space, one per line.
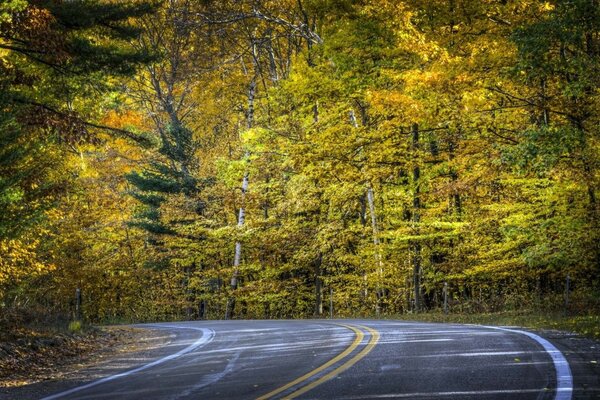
375,233
318,311
189,293
378,261
416,217
455,199
229,310
363,222
318,286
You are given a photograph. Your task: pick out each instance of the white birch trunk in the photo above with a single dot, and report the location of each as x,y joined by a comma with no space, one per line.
371,201
237,258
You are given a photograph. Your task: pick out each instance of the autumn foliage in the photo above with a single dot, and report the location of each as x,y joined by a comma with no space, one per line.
396,154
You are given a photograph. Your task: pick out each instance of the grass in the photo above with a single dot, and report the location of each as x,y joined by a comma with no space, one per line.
585,325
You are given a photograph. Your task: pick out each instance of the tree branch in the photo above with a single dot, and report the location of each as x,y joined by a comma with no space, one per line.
119,131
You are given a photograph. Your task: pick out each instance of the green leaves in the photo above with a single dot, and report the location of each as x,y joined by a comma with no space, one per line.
543,149
9,8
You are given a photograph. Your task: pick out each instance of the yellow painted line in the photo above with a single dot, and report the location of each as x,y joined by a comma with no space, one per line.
357,340
372,342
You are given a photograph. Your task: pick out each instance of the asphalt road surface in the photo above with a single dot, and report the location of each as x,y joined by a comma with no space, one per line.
339,359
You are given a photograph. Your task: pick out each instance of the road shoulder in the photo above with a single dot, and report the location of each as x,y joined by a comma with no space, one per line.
48,366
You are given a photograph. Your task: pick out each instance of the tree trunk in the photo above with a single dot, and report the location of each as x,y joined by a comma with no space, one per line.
455,200
318,287
375,233
378,261
416,219
363,222
229,310
189,294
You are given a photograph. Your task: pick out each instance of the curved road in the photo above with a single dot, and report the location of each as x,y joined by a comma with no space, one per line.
344,359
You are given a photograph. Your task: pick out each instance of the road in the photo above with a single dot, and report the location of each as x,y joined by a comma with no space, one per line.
339,359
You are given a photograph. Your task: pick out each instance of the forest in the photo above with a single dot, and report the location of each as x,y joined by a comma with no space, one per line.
233,159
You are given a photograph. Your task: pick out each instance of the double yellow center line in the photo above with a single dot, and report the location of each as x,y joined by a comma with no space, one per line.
349,363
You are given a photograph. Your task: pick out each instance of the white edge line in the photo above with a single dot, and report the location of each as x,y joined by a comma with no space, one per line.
564,379
207,337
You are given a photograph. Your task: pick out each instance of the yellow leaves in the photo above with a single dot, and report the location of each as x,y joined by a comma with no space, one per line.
19,259
393,12
257,139
425,78
402,106
546,6
124,119
55,214
475,100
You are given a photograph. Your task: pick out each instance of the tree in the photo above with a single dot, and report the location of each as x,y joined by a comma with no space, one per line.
51,55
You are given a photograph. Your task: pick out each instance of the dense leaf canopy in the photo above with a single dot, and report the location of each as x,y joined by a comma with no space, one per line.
253,159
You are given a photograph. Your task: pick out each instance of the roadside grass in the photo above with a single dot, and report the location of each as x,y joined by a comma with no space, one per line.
585,325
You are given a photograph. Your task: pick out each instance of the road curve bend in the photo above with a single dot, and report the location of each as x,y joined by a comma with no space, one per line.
339,359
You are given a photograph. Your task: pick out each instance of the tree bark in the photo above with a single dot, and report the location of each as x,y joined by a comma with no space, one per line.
318,287
229,310
376,244
374,229
416,217
455,199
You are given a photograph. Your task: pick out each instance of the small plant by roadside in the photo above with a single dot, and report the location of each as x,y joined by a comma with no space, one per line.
75,326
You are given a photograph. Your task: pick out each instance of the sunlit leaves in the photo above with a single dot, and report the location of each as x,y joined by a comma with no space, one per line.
497,196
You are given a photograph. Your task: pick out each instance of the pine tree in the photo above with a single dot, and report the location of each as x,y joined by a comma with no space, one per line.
58,60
